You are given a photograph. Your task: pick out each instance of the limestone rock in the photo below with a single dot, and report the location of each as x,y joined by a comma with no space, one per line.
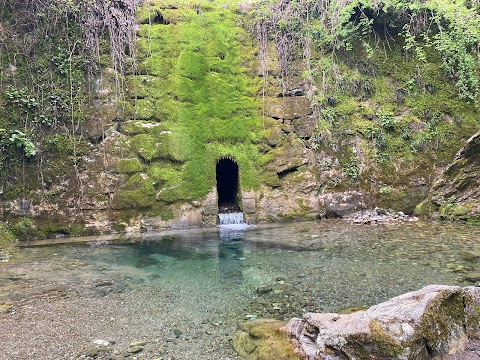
456,193
419,325
286,158
342,204
289,108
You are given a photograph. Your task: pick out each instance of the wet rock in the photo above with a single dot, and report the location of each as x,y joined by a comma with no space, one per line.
455,194
470,255
138,343
263,290
288,107
93,353
134,349
381,216
262,339
100,342
6,307
420,325
472,276
118,357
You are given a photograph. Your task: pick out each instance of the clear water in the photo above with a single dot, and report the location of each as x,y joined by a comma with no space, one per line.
219,276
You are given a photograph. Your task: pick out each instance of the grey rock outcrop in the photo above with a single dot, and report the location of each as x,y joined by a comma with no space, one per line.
455,194
343,203
420,325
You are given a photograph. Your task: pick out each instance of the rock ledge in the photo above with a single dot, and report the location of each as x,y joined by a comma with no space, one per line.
420,325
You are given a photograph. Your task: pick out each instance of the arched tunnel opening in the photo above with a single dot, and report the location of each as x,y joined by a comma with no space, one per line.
227,185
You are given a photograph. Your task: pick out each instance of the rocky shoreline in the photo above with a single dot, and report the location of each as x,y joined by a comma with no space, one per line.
380,216
432,323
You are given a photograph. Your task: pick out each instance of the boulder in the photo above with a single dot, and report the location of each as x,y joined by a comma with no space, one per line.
342,204
420,325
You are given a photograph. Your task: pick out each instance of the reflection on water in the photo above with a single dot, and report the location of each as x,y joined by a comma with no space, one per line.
274,270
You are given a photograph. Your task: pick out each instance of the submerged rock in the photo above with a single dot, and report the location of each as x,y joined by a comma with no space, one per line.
134,349
472,276
100,342
419,325
261,339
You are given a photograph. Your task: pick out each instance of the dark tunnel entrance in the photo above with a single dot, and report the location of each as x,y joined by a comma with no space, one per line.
227,185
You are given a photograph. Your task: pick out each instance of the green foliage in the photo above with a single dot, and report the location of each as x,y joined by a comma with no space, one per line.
25,229
20,97
351,168
387,121
6,238
451,28
21,141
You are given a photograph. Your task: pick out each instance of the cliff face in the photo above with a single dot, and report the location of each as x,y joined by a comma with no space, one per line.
213,101
455,194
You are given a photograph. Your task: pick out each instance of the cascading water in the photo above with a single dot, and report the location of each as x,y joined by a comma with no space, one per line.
232,226
230,218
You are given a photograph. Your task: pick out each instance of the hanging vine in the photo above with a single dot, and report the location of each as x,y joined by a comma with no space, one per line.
49,52
335,26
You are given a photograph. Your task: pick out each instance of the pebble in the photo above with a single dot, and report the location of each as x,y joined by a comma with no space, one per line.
177,332
379,215
117,357
100,342
134,349
263,289
470,255
472,276
138,343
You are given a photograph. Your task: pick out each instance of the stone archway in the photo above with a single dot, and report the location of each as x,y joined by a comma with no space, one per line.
227,185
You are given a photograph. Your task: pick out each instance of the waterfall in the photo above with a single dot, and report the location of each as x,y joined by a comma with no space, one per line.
232,226
230,218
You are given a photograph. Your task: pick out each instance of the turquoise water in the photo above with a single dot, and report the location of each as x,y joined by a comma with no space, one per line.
205,277
323,266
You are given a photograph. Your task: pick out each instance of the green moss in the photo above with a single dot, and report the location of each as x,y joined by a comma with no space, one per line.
128,166
145,146
135,127
26,229
138,192
440,321
165,212
49,229
205,99
386,345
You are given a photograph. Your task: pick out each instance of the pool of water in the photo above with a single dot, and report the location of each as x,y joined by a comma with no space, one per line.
210,279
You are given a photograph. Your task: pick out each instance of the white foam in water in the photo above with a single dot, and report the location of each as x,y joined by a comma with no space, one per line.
231,219
232,225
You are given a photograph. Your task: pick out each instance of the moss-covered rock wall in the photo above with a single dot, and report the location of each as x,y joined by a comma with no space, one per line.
304,116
